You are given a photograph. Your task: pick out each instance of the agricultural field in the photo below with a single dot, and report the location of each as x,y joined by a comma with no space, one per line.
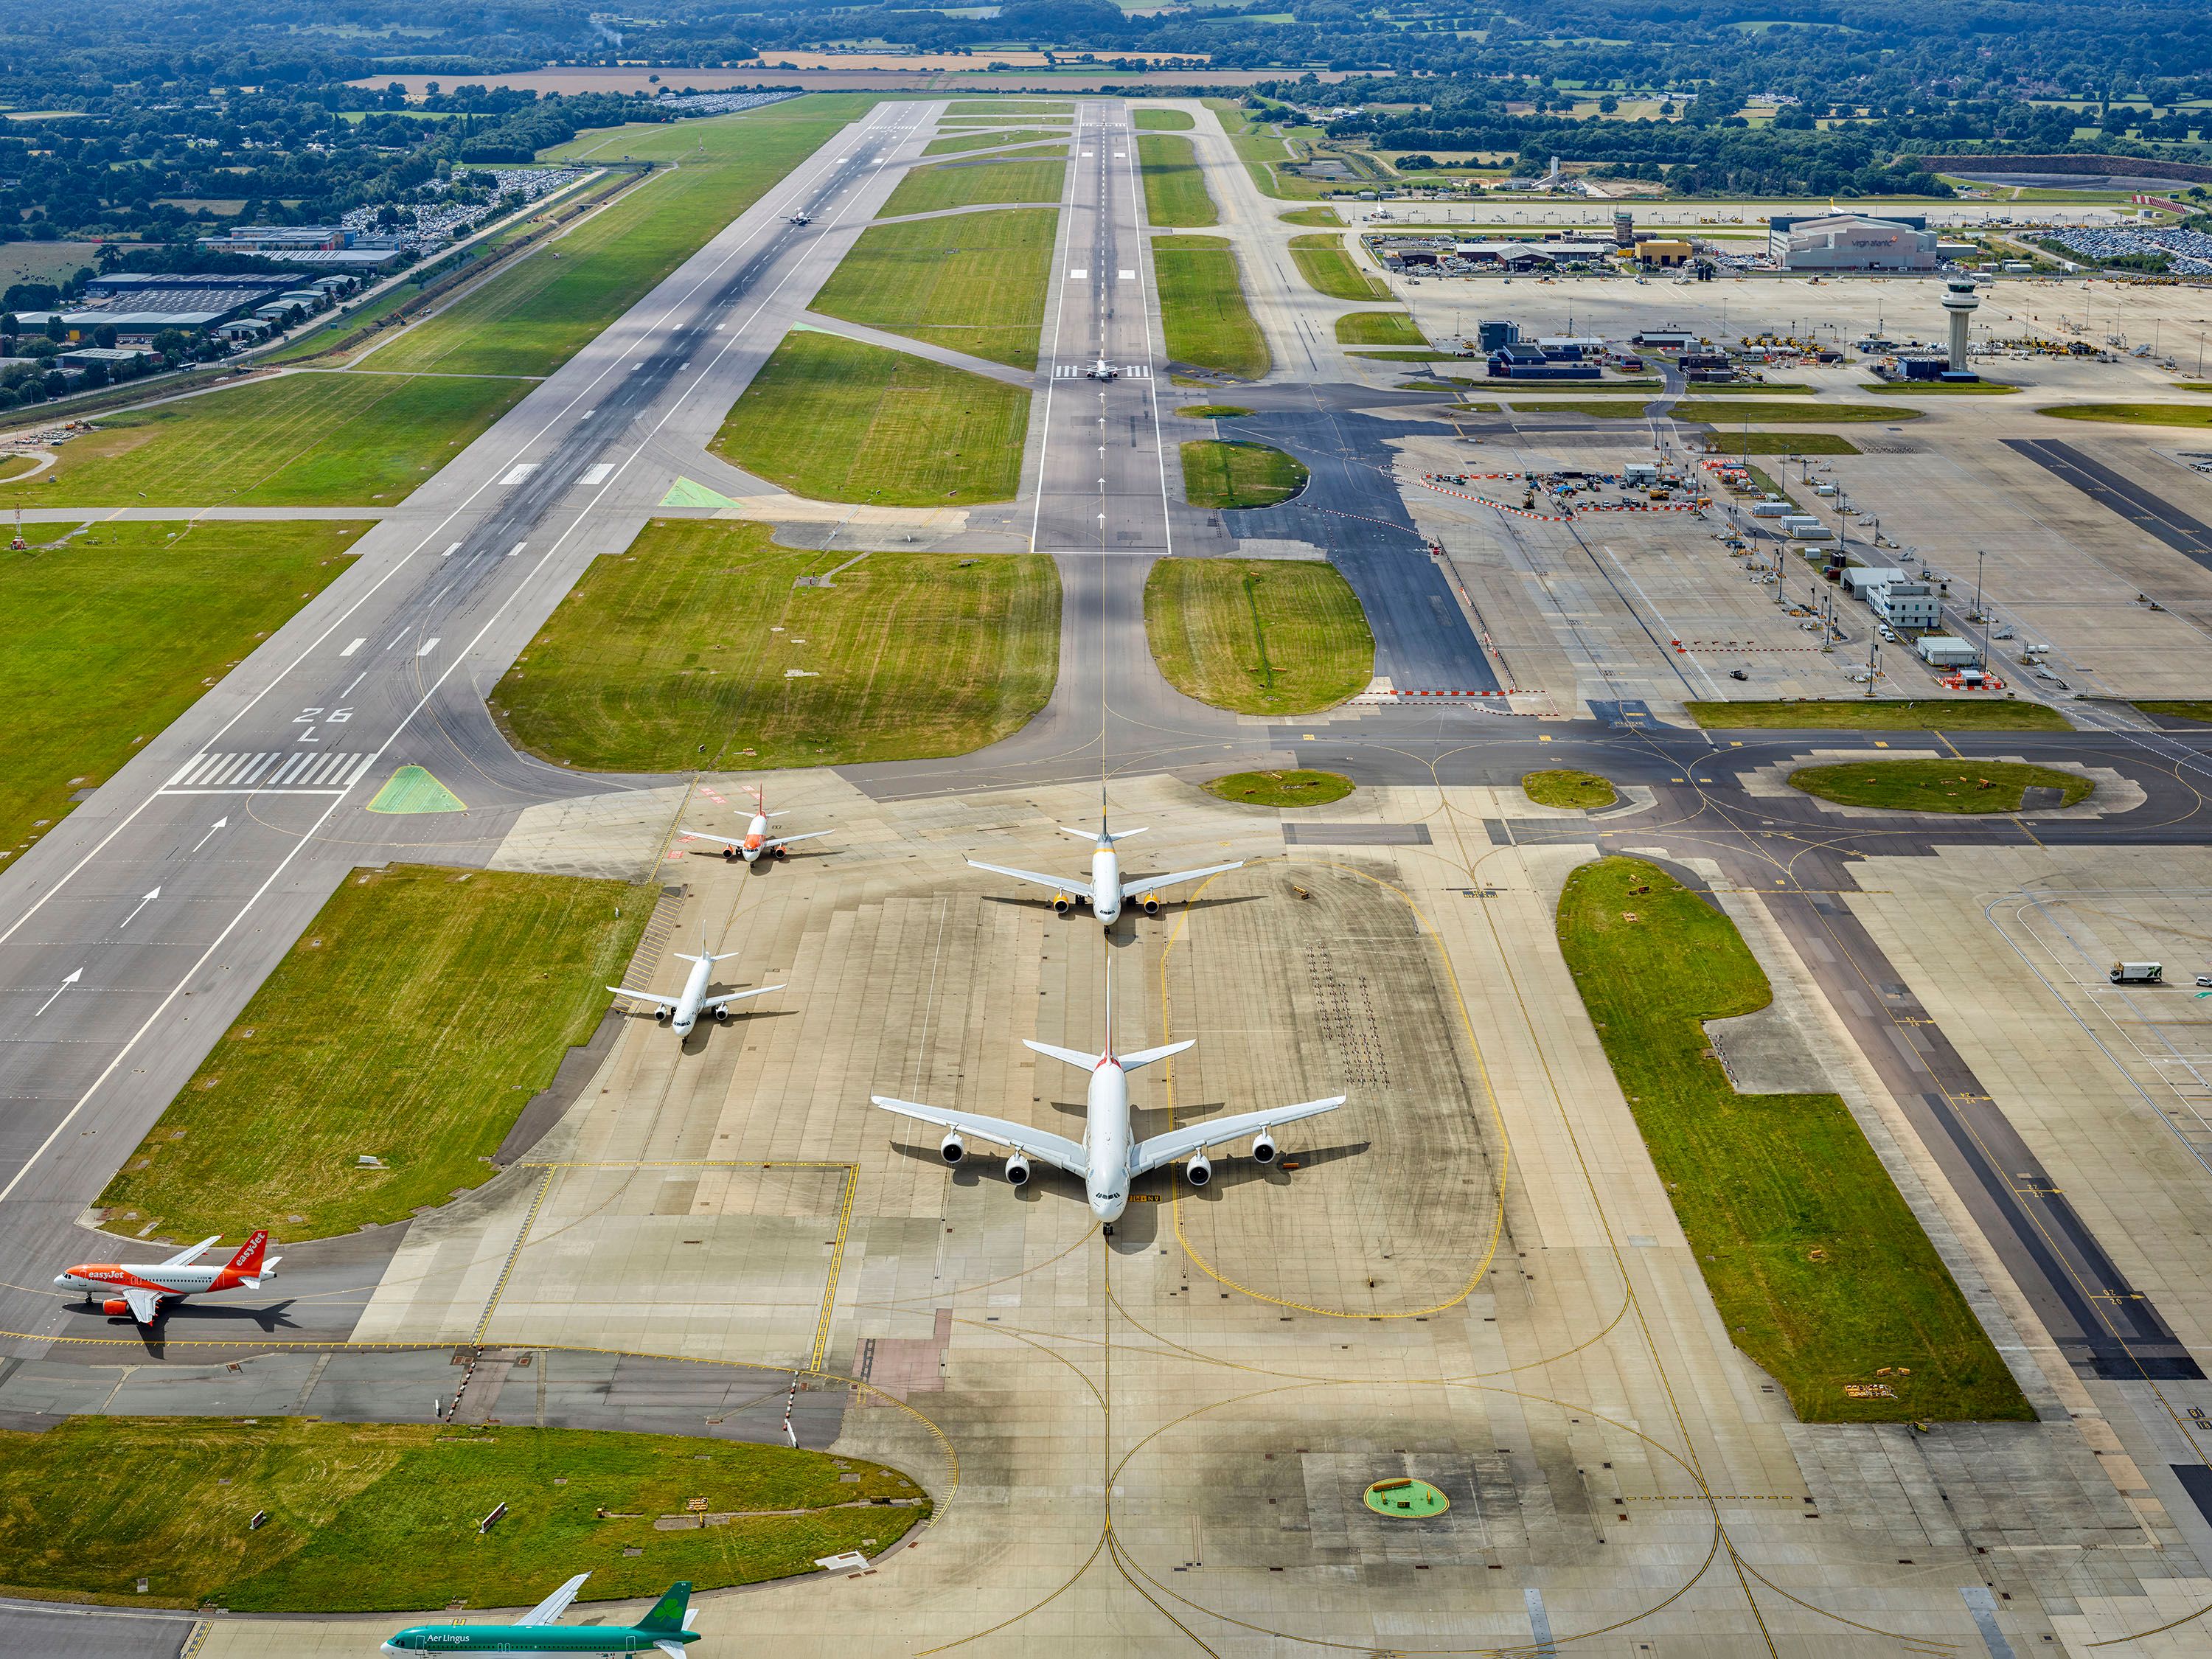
1818,1268
115,629
839,420
412,1022
1000,179
691,635
1175,196
1202,308
1278,637
382,1517
974,282
304,439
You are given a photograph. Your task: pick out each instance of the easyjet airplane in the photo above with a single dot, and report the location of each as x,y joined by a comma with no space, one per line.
146,1288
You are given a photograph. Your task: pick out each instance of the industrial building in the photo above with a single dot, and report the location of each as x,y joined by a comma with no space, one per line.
1851,241
1665,253
1528,362
139,306
1903,604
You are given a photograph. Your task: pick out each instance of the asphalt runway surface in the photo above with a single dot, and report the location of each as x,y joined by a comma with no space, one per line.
2144,507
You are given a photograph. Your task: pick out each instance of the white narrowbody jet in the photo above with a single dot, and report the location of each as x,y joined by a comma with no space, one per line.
1108,1158
681,1013
1106,893
144,1288
1103,370
756,843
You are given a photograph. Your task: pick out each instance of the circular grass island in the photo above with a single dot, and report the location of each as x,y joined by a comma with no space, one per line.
1298,789
1566,786
1940,785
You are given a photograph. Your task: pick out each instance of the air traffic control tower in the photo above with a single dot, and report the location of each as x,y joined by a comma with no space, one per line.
1960,301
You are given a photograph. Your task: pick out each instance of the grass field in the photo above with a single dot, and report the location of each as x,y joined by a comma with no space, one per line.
1939,388
412,1022
1303,788
2134,414
1217,474
976,184
976,282
1569,787
1008,106
1936,785
1259,148
842,421
688,640
1821,1274
955,143
1323,261
1782,443
1212,411
2193,385
531,317
1279,636
304,440
1312,215
120,629
1880,714
1724,412
1174,186
382,1517
1202,308
2180,711
1382,328
1164,120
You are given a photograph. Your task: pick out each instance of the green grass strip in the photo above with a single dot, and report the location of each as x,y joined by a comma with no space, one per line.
413,1021
2134,414
974,282
1174,185
955,143
1202,308
119,628
1380,328
1936,785
1164,120
1817,1267
382,1517
840,420
693,637
1278,637
1325,264
1218,473
1880,714
976,184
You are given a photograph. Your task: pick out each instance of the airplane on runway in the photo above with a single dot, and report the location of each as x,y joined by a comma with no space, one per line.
146,1288
1103,370
802,218
1107,1160
681,1012
1106,891
667,1628
756,843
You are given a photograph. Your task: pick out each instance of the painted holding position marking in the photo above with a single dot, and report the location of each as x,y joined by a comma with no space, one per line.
667,1628
1108,1160
146,1288
1107,891
756,843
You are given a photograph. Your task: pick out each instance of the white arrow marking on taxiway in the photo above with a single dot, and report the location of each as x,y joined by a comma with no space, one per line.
220,823
58,989
137,908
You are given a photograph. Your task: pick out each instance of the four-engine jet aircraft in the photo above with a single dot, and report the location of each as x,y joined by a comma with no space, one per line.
145,1288
681,1012
1108,1160
1106,891
756,843
667,1628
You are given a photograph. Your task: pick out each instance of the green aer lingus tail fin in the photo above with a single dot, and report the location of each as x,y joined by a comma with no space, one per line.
667,1615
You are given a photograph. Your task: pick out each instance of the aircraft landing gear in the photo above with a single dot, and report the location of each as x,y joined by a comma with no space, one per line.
1109,1230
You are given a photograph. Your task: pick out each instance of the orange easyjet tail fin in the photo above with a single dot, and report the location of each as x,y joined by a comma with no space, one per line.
246,1264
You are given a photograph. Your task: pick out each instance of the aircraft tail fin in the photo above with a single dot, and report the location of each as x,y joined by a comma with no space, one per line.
1074,1057
248,1263
667,1615
1146,1056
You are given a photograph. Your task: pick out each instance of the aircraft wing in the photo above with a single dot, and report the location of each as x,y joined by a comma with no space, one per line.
1041,1144
1181,1142
1081,888
550,1609
702,834
185,1258
1137,885
144,1305
643,996
739,996
786,841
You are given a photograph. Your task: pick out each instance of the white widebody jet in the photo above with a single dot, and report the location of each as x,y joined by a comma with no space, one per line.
756,843
681,1013
1110,1158
1106,891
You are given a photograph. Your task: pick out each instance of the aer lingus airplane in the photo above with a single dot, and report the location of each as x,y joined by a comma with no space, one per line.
1108,1160
145,1288
681,1012
1106,891
667,1628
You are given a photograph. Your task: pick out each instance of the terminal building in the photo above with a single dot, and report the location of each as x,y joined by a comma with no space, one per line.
1851,241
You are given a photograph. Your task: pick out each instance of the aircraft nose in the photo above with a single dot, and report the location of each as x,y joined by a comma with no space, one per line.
1108,1209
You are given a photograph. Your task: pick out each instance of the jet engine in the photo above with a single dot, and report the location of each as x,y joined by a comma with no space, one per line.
115,1307
782,852
1199,1170
1061,904
1018,1170
660,1017
729,855
952,1149
723,1014
1263,1148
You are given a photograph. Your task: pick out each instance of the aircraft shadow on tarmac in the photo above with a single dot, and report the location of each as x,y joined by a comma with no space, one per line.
694,1040
199,1322
1130,911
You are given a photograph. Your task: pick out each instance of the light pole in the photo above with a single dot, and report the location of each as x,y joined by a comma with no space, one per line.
1981,615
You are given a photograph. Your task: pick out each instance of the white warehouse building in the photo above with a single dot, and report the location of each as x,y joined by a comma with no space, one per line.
1907,604
1849,241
